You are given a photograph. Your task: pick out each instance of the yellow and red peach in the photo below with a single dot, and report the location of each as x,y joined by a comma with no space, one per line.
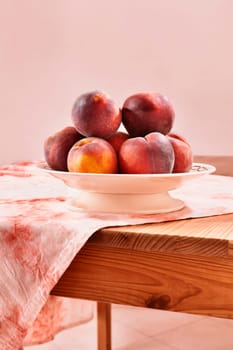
96,114
152,154
57,146
147,112
92,155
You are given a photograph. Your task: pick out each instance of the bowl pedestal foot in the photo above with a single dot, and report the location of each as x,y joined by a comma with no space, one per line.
136,203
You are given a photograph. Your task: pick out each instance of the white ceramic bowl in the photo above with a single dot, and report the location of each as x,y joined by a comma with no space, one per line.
126,193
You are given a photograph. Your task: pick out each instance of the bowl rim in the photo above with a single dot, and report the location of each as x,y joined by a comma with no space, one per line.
197,168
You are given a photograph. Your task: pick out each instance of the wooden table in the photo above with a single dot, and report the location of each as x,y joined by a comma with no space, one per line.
183,266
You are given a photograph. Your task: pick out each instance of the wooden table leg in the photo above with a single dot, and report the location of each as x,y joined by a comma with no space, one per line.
104,326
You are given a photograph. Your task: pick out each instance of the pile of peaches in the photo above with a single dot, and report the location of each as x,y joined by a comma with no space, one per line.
94,143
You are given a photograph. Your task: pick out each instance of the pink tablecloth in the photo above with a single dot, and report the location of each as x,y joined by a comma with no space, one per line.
40,235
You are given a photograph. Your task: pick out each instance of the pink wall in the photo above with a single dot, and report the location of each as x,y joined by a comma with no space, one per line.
53,50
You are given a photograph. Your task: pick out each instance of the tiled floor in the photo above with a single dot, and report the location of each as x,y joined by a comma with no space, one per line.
142,329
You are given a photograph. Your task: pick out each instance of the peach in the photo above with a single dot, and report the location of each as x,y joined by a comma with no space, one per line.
147,112
183,154
117,139
179,137
92,155
57,146
152,154
96,114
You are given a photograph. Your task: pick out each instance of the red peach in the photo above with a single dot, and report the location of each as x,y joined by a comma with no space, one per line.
92,155
150,155
147,112
96,114
179,137
183,155
57,146
117,139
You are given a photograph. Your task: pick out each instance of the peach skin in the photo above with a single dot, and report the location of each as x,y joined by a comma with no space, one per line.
147,112
183,155
57,146
117,139
150,155
96,114
92,155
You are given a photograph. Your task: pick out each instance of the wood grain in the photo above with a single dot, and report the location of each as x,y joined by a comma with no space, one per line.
104,326
210,236
168,281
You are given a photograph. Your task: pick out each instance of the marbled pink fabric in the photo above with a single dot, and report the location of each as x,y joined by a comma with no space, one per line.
40,235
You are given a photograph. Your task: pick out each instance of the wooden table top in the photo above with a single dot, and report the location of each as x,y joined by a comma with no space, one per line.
212,236
184,266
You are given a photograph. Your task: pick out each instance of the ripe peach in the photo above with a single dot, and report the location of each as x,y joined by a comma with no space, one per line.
92,155
57,146
179,137
147,112
183,155
150,155
96,114
117,139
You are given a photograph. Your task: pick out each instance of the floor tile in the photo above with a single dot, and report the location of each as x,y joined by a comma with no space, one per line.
81,337
147,345
207,334
84,337
152,322
143,329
